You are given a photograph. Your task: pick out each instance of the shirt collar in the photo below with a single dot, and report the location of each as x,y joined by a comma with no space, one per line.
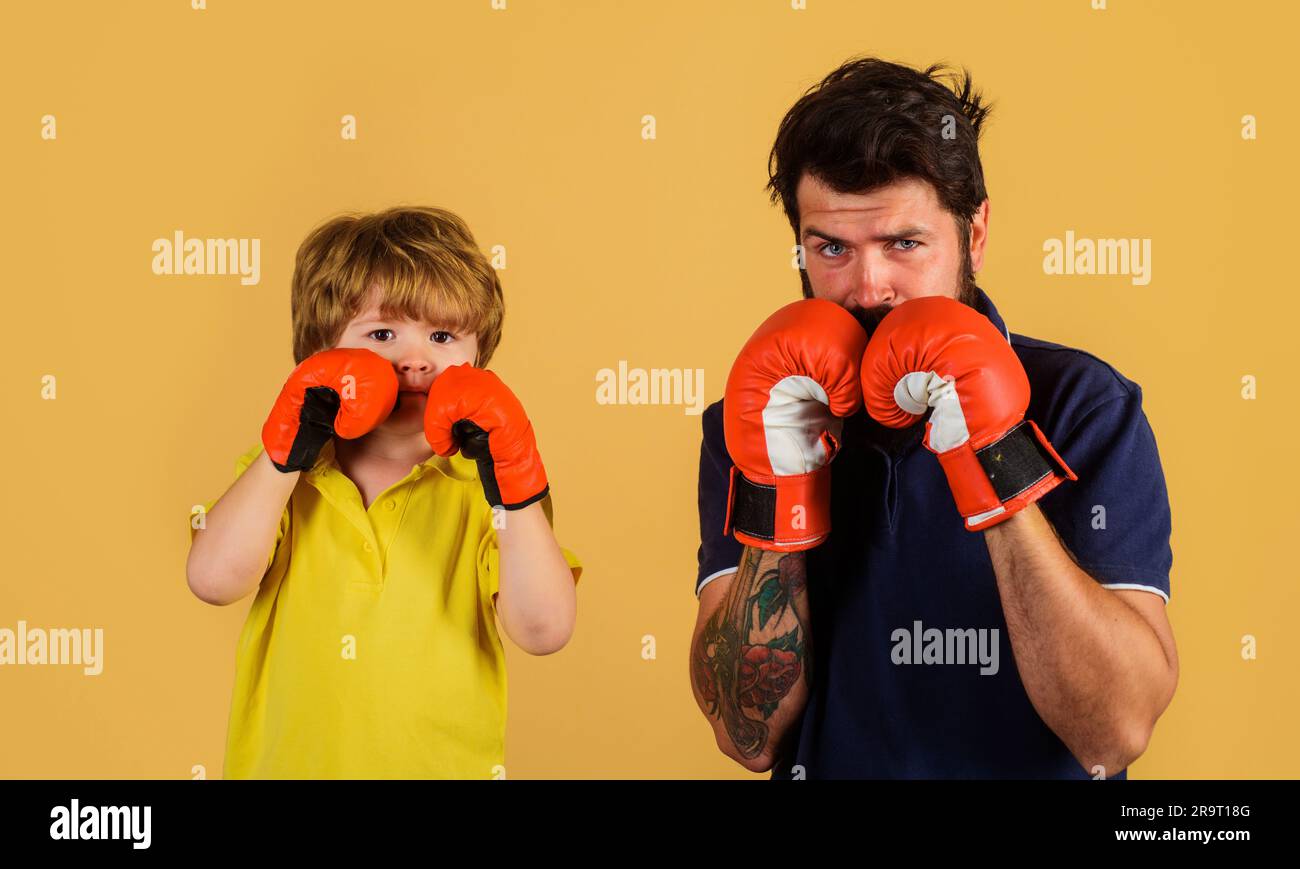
457,467
985,306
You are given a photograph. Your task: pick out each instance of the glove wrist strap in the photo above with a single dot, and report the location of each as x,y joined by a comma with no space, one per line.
787,514
991,483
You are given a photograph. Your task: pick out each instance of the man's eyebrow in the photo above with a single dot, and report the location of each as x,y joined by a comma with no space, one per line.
809,230
903,233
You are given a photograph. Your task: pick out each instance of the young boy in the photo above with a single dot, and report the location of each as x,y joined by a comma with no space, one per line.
395,509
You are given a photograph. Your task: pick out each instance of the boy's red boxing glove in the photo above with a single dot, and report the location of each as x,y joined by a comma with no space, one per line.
936,352
789,387
471,411
344,392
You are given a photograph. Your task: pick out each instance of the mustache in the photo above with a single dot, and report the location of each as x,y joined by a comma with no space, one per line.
869,318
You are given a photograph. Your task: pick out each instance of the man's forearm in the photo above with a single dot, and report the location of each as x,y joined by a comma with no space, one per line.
751,654
1093,668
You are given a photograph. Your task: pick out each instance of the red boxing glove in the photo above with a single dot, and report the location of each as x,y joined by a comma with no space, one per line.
471,411
344,392
788,388
935,352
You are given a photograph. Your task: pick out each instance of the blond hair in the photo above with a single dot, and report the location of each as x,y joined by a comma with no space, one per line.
423,262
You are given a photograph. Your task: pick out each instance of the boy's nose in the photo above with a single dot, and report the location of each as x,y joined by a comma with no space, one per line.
415,366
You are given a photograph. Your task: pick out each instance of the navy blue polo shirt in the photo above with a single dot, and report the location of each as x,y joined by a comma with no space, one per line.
914,675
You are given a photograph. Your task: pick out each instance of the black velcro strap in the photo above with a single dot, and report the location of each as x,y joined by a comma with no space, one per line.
320,407
473,443
1017,461
753,508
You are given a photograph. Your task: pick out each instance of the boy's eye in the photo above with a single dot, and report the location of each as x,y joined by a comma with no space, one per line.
441,337
913,243
381,332
826,249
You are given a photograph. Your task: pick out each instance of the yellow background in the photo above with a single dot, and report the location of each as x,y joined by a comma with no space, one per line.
527,122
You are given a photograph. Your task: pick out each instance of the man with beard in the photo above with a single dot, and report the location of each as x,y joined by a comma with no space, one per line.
991,600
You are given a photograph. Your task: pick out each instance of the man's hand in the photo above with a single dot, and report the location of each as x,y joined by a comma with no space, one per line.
935,352
793,380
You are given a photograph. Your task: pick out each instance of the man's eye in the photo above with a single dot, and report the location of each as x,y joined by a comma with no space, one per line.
907,241
825,249
379,332
441,337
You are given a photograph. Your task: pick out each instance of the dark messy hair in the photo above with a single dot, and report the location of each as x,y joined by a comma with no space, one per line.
870,123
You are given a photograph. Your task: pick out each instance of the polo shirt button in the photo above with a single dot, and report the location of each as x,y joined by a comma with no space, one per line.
390,504
369,548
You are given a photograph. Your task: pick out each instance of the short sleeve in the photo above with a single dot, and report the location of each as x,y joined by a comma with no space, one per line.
489,555
719,554
242,464
1115,518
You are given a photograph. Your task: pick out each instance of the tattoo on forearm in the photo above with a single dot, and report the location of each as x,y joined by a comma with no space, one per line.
754,649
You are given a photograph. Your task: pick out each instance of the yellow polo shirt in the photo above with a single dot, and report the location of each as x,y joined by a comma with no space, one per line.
371,650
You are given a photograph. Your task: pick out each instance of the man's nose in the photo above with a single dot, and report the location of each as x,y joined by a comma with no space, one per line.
874,286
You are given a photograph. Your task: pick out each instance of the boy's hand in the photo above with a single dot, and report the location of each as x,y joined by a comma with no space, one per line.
344,391
471,410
